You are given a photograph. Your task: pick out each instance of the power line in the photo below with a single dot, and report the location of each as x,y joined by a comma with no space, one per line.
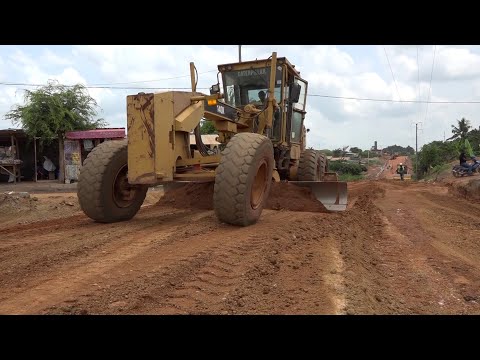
106,87
395,81
431,76
312,95
396,101
418,81
418,75
145,81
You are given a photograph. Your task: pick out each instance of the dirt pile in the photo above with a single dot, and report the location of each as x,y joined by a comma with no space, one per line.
469,190
12,202
283,196
189,196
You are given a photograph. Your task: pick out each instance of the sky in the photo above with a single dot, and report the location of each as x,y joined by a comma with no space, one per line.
389,72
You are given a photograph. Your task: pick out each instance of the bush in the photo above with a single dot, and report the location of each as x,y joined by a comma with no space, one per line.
350,177
343,167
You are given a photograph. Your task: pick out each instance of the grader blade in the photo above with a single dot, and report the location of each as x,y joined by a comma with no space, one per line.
332,194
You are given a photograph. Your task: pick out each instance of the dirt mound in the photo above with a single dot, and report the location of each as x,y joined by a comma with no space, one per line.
470,190
12,202
283,196
368,189
191,195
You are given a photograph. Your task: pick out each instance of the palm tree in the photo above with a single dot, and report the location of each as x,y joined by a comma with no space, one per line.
460,131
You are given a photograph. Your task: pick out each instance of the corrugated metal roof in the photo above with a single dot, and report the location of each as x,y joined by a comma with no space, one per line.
107,133
20,133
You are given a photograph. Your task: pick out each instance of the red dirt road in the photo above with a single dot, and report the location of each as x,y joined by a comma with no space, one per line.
400,248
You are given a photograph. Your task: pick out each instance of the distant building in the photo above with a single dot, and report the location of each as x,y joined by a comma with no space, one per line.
78,144
23,159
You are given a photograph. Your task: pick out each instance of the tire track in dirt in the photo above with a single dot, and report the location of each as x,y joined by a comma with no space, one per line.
47,277
386,270
29,258
427,271
181,259
207,290
131,251
365,288
297,274
455,242
200,272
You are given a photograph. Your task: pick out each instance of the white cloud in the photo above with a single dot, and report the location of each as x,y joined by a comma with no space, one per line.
357,71
456,64
2,69
50,58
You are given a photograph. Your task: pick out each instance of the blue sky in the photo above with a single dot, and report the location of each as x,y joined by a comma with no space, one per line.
359,71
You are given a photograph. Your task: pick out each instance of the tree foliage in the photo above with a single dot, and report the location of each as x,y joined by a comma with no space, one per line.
368,154
400,150
327,152
461,130
207,127
429,157
468,148
437,153
337,152
54,109
473,137
345,167
356,150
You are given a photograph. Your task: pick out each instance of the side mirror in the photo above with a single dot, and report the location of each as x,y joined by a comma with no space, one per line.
294,95
215,89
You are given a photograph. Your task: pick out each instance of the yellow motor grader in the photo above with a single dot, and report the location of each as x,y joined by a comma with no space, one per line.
259,117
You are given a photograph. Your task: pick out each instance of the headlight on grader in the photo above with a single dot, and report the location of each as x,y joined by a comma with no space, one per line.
212,102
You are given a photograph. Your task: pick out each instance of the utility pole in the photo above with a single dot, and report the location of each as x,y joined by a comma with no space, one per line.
416,150
240,53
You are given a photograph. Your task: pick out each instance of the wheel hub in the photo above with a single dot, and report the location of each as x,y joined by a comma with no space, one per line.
259,186
123,192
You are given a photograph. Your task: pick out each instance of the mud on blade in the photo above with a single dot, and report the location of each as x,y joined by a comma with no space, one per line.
332,194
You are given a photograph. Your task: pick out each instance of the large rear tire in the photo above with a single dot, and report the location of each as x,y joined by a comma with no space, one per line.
243,179
311,166
323,165
103,191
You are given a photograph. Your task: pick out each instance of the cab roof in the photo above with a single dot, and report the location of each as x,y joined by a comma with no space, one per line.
258,63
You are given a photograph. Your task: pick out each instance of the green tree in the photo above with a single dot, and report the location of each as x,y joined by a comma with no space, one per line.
207,127
356,150
474,138
400,150
327,152
468,148
429,157
337,152
54,109
461,130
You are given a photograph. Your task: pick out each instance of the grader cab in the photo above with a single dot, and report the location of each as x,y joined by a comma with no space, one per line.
259,118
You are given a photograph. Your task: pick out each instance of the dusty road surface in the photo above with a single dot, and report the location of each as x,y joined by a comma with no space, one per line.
400,248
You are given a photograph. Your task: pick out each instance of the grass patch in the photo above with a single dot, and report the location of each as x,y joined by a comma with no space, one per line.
437,170
350,177
375,161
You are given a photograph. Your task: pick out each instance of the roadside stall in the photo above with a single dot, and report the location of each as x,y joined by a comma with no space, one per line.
10,163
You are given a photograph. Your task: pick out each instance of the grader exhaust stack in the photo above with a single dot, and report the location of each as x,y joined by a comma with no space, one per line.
259,121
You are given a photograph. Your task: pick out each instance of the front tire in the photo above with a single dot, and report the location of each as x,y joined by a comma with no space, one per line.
103,192
243,179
